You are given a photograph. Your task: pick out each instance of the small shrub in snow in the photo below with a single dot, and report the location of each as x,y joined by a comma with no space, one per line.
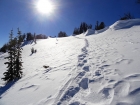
32,50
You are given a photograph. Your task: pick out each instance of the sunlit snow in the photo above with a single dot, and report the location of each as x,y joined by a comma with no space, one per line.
94,68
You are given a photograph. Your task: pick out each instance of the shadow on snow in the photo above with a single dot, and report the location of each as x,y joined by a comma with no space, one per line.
3,89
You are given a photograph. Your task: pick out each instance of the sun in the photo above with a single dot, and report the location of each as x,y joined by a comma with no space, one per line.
45,6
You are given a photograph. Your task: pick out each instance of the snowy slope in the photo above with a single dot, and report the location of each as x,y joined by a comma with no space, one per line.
100,69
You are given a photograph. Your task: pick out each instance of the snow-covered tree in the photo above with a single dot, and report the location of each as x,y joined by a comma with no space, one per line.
9,74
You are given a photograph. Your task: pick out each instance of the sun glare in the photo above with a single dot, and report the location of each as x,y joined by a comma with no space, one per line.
45,6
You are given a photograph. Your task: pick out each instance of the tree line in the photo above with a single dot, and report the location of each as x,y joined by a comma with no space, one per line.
83,28
24,37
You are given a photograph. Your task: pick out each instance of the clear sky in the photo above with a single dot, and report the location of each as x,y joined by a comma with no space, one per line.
67,15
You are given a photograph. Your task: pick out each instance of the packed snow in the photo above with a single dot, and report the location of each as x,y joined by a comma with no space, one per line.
88,69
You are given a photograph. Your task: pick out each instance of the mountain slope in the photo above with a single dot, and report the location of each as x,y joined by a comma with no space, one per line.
100,69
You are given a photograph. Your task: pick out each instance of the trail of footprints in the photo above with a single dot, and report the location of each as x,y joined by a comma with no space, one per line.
78,81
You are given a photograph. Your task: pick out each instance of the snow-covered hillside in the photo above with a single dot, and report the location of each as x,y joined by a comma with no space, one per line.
100,69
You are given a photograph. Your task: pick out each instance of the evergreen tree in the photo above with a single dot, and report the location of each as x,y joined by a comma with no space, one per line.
81,29
101,26
97,25
9,74
84,27
62,34
4,48
29,37
14,44
76,31
18,61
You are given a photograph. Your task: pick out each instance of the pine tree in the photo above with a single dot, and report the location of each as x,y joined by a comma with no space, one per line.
81,29
29,37
62,34
97,25
4,48
18,59
101,26
76,31
14,44
9,74
84,27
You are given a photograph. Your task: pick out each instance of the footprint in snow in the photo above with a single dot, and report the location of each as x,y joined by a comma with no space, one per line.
79,76
98,73
75,103
84,83
86,68
69,94
107,92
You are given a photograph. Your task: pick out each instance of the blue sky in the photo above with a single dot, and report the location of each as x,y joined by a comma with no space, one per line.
67,15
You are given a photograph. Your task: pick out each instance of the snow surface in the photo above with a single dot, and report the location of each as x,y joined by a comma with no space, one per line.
100,69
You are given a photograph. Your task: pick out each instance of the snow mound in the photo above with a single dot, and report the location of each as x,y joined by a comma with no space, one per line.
121,24
89,32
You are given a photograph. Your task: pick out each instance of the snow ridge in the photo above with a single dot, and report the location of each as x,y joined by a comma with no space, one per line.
121,24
